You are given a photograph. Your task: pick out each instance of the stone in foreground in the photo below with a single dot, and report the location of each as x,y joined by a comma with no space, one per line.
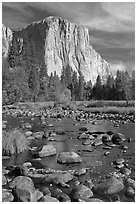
108,187
4,180
59,178
118,138
24,190
21,179
82,192
68,158
7,196
48,198
94,200
47,150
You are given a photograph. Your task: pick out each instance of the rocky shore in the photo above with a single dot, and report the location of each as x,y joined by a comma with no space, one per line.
26,183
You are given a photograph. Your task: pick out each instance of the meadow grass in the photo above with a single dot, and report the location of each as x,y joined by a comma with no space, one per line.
13,141
94,105
110,109
105,103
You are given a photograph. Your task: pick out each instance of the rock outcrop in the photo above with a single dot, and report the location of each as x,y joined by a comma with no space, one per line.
6,40
59,44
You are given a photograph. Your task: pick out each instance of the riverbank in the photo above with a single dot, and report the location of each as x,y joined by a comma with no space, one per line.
100,156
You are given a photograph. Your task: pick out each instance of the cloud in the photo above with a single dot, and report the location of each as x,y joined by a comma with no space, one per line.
15,15
110,17
120,17
111,24
112,40
119,65
119,10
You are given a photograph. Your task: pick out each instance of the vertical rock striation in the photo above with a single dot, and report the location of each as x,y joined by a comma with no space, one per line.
61,43
6,40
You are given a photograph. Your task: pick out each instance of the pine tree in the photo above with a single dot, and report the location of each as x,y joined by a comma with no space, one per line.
81,87
74,92
13,57
33,71
127,85
98,88
66,77
88,90
54,88
133,85
119,85
108,88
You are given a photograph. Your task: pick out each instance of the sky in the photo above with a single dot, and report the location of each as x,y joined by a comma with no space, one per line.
111,25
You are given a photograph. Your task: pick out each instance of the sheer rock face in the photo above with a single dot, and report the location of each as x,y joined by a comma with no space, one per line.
60,43
6,40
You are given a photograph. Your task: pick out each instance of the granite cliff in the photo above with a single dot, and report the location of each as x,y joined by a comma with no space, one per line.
6,40
59,43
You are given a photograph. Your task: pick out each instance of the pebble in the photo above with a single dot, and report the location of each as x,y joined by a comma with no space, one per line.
106,153
125,171
130,192
120,161
4,180
5,157
37,159
119,166
7,196
124,147
130,182
80,172
89,183
27,164
106,147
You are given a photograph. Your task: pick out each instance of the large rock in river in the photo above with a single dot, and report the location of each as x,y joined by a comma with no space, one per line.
109,186
21,179
47,150
59,178
118,138
68,158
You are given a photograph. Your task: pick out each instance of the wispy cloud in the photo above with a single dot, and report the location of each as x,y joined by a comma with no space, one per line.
115,65
122,11
112,40
111,24
120,17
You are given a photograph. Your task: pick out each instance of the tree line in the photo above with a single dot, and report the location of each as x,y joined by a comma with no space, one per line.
25,78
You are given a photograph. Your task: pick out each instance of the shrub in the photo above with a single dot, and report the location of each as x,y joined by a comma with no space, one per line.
70,105
95,104
64,97
14,141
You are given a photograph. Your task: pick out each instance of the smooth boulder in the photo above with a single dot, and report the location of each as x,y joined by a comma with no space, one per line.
7,196
4,180
21,179
118,138
48,198
109,186
59,178
47,150
68,158
23,189
82,192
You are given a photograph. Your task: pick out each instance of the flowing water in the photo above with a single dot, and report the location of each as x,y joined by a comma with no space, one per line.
99,164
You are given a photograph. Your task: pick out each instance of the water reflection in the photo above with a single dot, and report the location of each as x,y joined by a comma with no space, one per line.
69,142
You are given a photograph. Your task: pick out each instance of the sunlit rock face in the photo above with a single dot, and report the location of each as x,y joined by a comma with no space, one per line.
60,43
6,40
